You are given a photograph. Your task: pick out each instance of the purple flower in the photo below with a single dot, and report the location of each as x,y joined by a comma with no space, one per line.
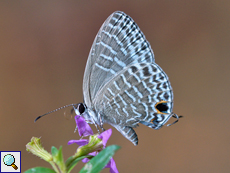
112,166
85,130
83,127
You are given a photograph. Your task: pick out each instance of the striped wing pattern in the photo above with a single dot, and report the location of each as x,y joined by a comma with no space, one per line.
118,43
131,97
122,83
133,94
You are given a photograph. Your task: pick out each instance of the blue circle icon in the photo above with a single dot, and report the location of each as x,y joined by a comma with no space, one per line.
8,159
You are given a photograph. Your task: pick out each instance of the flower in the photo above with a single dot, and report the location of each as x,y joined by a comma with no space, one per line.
95,143
83,127
36,148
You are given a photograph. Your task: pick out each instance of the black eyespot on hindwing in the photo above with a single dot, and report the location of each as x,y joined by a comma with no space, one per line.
162,107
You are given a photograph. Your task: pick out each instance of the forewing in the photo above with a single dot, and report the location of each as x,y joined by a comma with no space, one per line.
118,44
131,96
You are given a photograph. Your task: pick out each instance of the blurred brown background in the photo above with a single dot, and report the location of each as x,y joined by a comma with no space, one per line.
44,46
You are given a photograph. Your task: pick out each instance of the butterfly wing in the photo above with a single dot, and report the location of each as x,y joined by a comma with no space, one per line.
118,44
122,82
131,98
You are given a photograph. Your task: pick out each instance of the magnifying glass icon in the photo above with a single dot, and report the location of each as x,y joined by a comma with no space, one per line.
9,160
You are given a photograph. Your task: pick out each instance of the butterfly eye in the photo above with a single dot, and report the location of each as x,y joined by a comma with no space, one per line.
162,107
81,108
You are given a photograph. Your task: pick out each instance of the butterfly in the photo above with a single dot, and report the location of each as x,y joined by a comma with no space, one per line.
122,84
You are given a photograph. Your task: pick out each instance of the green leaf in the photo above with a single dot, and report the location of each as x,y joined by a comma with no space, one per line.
97,163
39,170
58,158
54,151
57,155
71,161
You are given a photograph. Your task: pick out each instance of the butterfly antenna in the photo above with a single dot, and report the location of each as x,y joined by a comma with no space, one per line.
55,110
177,117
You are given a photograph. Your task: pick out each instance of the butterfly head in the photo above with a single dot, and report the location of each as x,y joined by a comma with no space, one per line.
89,115
80,108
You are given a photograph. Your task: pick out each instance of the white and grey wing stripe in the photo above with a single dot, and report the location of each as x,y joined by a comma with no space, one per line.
118,44
132,95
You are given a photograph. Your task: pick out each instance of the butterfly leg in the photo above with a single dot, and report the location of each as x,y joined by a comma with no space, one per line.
101,123
95,125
